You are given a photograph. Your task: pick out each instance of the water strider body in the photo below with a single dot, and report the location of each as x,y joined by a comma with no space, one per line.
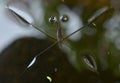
59,34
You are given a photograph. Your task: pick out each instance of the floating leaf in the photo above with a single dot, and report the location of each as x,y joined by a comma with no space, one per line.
90,62
32,62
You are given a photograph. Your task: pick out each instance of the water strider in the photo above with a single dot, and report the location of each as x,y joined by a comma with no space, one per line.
59,34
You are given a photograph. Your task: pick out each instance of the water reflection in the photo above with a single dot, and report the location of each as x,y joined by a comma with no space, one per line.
54,65
73,24
112,27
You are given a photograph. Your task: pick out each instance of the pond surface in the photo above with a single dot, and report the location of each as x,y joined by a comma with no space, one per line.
61,41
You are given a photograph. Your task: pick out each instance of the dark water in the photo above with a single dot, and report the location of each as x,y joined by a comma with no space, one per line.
15,58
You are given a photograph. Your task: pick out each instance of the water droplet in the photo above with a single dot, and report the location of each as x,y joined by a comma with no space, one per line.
64,18
49,78
53,19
